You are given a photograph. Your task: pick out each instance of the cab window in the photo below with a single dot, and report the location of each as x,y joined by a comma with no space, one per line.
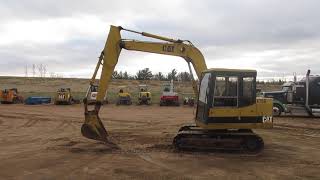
248,96
286,88
226,91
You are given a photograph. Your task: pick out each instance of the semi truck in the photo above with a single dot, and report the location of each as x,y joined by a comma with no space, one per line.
297,98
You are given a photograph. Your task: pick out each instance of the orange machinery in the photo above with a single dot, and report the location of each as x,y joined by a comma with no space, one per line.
10,96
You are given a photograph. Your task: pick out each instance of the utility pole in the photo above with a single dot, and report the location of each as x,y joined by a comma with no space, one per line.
40,69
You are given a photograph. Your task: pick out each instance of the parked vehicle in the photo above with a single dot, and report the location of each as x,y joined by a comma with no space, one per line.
34,100
144,96
189,101
124,96
64,96
169,96
297,98
92,95
10,96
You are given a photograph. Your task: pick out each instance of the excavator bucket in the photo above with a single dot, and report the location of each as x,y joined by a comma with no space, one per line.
93,128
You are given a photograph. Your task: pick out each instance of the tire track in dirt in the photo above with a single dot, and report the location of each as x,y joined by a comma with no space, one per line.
62,172
124,121
39,117
30,123
65,123
148,159
95,152
302,131
143,154
34,119
31,119
8,116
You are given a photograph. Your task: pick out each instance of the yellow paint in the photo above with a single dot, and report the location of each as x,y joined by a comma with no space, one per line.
110,55
124,94
262,107
146,94
235,125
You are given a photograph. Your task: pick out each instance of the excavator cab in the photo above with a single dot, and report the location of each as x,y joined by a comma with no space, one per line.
227,111
226,90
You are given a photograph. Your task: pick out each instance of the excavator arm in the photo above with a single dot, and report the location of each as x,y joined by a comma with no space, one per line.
93,127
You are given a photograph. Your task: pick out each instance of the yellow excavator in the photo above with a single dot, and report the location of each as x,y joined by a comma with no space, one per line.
227,106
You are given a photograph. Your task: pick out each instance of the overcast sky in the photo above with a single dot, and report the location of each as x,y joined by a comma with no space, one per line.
276,37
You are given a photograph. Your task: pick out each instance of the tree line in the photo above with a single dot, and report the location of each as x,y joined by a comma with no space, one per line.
146,74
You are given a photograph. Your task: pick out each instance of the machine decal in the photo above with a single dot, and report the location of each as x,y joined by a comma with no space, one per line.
61,96
167,48
267,119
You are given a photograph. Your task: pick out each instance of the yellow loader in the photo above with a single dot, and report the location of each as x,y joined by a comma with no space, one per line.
144,96
124,97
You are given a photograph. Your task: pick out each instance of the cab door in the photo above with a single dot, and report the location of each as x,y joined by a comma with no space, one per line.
204,98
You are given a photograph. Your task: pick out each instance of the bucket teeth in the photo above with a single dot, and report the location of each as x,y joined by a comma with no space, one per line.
93,127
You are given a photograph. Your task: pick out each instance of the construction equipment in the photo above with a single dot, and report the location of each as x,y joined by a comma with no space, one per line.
227,106
144,96
92,93
169,96
64,96
124,97
10,96
298,98
36,100
189,101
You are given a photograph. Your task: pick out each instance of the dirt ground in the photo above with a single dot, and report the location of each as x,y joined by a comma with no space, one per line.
44,142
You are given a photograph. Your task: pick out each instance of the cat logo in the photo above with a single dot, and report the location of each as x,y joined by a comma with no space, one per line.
168,48
267,119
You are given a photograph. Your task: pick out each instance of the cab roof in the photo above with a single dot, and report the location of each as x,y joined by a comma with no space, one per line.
230,70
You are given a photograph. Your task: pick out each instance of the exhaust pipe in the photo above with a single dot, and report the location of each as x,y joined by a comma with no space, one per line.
307,88
307,93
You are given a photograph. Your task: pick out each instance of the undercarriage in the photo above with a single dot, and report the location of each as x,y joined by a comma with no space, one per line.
193,138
